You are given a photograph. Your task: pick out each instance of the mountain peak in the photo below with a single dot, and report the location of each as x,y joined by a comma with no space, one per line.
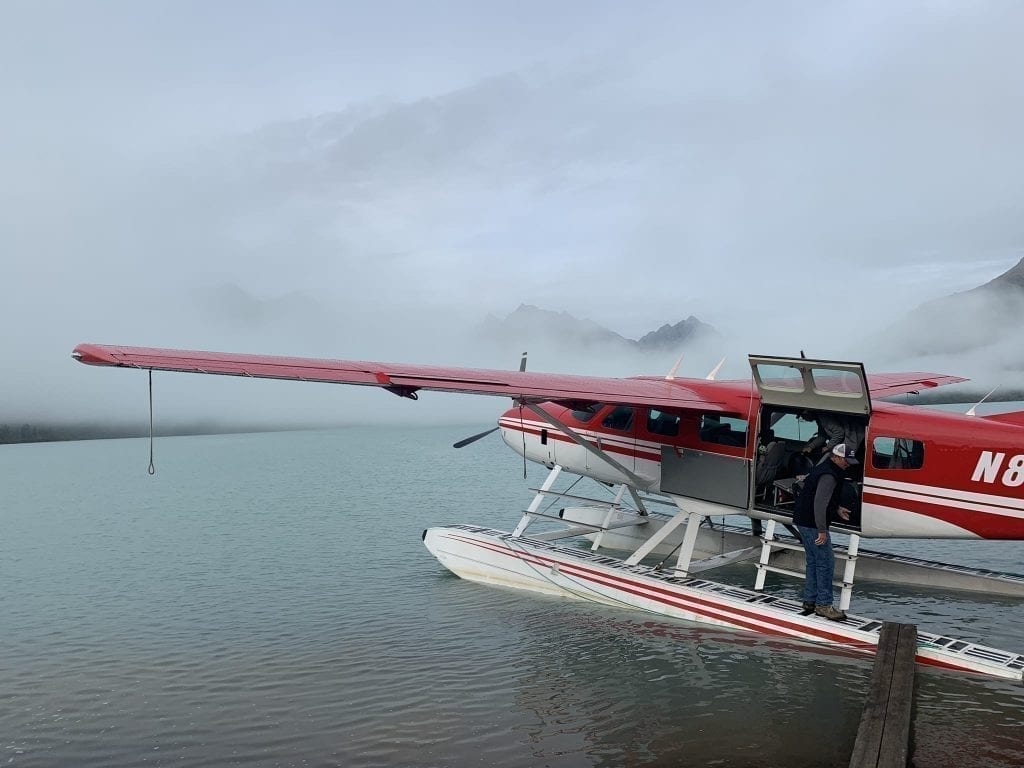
979,318
676,335
1011,279
528,322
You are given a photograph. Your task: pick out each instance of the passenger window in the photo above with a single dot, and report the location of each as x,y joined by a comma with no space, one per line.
661,423
583,415
897,453
723,430
621,418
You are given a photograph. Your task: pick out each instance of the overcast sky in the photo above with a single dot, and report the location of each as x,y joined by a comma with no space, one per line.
365,175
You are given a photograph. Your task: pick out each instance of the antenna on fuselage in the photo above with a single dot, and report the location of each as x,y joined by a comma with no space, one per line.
715,370
672,373
970,411
522,364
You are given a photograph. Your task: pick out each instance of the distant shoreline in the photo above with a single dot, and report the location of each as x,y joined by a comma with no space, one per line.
27,432
11,434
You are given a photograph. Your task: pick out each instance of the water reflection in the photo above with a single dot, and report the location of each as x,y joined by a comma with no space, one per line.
628,691
228,612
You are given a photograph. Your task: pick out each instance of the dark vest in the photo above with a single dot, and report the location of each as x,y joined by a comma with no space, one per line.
803,510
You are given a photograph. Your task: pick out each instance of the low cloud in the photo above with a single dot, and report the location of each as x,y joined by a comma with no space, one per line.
800,180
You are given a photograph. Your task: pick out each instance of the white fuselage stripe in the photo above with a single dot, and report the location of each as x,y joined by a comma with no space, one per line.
946,502
650,447
1006,502
620,441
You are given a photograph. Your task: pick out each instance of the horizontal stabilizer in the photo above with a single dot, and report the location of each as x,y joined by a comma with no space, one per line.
1014,417
890,384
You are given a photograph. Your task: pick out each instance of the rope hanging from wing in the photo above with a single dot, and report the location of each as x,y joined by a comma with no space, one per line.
152,466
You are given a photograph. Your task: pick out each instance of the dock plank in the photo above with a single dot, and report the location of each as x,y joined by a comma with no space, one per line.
883,738
895,749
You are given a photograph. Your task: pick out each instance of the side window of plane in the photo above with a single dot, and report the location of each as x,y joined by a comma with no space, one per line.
897,453
723,430
661,423
583,415
621,418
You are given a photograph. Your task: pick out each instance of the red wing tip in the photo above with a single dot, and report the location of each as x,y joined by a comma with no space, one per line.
93,354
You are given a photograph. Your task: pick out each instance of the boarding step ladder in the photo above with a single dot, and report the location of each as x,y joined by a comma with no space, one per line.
770,544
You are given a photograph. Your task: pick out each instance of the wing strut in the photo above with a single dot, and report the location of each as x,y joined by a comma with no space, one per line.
635,479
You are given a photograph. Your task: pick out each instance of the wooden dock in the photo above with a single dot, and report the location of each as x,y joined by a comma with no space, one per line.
883,739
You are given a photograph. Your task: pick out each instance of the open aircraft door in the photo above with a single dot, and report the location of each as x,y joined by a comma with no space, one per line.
790,387
817,385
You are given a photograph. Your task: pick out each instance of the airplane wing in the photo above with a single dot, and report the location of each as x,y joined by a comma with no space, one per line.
889,384
407,380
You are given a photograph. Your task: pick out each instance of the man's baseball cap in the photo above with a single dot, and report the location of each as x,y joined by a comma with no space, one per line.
845,453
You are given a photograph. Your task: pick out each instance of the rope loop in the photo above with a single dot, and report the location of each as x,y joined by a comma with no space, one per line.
152,466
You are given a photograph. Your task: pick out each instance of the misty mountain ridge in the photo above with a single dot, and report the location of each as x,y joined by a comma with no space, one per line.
230,305
371,193
529,324
988,317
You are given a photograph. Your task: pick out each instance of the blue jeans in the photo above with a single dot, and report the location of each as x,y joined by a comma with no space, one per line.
820,567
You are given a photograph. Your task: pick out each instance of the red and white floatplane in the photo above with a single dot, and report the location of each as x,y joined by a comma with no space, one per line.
677,452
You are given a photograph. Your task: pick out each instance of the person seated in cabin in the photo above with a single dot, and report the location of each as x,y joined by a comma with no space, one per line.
770,463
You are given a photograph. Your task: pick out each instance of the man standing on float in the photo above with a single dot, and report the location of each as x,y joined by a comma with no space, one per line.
818,501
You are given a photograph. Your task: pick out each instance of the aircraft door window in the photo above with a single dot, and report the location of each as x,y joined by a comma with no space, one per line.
620,418
897,453
661,423
835,382
723,430
782,378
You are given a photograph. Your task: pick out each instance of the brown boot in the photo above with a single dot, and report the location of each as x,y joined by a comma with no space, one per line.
829,612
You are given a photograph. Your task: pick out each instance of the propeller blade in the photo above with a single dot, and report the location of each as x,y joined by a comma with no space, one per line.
473,438
466,441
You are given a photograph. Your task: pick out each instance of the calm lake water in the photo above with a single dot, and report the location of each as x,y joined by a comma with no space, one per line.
266,600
